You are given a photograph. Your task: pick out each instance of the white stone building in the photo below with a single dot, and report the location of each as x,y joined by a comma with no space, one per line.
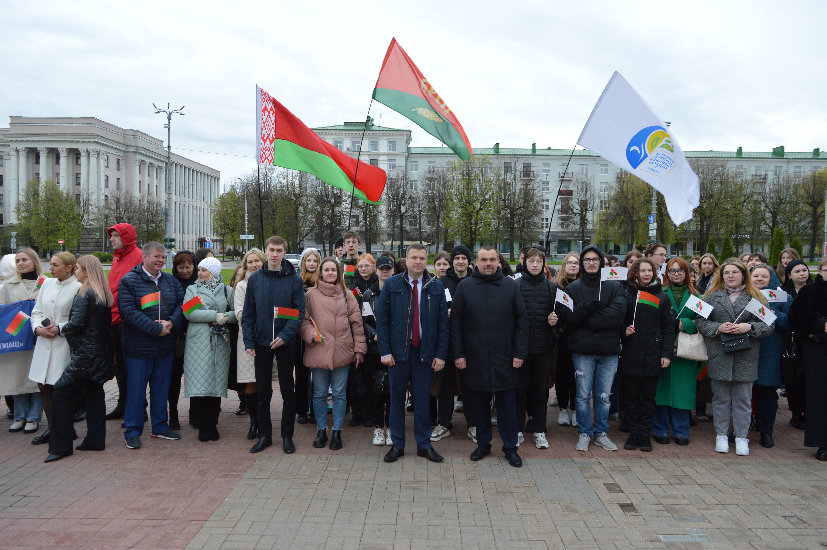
85,155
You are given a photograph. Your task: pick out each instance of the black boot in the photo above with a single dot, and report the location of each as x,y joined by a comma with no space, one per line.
242,405
252,410
336,440
174,424
321,439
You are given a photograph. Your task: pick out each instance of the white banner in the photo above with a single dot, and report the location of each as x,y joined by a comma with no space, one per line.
614,273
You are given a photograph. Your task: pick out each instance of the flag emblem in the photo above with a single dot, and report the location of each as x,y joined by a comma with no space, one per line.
17,323
651,149
427,113
772,294
613,273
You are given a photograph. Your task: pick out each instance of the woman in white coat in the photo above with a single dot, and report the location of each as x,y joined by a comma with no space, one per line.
14,376
51,352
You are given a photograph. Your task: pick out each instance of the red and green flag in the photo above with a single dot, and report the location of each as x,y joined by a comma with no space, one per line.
402,87
286,313
40,281
318,335
648,299
350,270
357,292
192,304
150,300
284,140
17,323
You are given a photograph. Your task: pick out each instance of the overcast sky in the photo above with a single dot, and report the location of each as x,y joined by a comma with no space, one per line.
725,74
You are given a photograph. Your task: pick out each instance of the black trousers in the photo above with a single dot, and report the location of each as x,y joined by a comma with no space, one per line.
446,379
532,393
797,395
62,421
206,410
766,405
469,401
377,404
120,364
564,384
175,382
505,401
285,356
639,403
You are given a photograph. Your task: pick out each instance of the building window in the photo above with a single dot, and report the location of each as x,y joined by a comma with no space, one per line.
118,184
106,161
739,168
37,158
545,204
413,166
777,170
77,158
118,164
1,180
338,144
391,146
546,168
527,173
1,160
1,200
545,222
374,162
431,164
374,145
355,145
140,187
545,187
391,164
37,175
759,171
77,198
604,169
77,178
106,199
584,170
506,168
797,170
106,182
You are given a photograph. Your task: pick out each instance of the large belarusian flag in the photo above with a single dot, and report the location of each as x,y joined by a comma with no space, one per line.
402,87
284,140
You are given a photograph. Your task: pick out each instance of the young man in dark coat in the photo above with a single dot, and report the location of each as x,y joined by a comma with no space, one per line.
489,337
594,329
149,301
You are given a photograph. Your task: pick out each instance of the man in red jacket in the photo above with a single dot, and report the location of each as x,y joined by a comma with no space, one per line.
127,255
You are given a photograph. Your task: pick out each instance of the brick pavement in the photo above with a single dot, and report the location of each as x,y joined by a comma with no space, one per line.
176,494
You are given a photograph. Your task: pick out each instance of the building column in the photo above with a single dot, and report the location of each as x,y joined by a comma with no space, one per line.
97,197
137,177
23,168
13,177
84,169
94,161
64,168
44,161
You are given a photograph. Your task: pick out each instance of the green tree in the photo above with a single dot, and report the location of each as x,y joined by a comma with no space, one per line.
436,203
810,193
579,209
726,248
630,201
46,214
518,207
776,246
796,244
228,217
711,247
471,204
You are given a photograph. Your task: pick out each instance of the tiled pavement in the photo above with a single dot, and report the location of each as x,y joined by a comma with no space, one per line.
176,494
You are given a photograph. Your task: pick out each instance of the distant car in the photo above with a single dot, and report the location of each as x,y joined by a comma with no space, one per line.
293,259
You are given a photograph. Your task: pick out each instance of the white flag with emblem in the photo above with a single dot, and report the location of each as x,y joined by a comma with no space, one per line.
761,311
564,299
614,274
697,305
777,295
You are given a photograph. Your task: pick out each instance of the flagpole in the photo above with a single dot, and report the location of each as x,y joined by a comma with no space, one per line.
356,172
274,325
159,306
553,208
634,314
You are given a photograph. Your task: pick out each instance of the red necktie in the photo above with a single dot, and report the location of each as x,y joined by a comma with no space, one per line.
415,335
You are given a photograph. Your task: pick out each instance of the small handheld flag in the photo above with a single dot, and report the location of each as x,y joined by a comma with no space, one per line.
357,292
286,313
350,270
614,274
17,323
149,300
775,295
318,335
648,299
564,299
693,303
761,311
192,304
40,281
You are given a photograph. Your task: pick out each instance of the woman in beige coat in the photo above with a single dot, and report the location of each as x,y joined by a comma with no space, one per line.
51,352
332,329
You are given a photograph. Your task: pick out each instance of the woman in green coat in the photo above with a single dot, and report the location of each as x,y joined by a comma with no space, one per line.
208,306
675,397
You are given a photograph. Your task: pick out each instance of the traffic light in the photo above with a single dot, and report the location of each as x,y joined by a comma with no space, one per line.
169,243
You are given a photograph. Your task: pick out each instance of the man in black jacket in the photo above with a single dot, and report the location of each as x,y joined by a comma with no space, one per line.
594,329
489,337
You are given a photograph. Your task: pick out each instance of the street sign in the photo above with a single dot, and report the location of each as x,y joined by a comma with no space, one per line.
60,241
208,239
208,244
246,237
651,218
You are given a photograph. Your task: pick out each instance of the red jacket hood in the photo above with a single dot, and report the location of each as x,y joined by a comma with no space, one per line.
128,235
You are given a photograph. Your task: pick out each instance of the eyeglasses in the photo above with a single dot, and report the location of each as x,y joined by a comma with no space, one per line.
591,260
675,271
572,262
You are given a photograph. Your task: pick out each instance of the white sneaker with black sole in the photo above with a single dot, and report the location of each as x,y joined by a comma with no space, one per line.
540,441
439,432
378,436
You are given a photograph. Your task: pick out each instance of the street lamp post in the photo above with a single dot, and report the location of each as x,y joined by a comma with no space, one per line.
169,241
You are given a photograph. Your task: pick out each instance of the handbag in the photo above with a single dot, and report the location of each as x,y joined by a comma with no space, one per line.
691,346
791,364
735,342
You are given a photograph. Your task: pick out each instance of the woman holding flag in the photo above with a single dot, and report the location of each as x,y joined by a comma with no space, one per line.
208,306
51,352
675,397
732,334
14,376
648,347
332,329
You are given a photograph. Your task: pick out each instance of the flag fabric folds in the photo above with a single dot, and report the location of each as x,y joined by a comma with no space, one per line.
697,305
40,281
624,130
286,313
564,299
16,322
402,87
192,304
761,311
614,273
648,299
149,300
284,140
776,295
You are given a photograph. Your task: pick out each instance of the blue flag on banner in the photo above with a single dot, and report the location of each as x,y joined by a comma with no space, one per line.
24,339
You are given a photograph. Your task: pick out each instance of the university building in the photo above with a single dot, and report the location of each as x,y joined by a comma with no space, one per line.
389,148
88,157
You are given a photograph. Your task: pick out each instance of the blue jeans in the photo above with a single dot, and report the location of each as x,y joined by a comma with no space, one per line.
593,376
664,416
419,374
139,371
336,380
28,407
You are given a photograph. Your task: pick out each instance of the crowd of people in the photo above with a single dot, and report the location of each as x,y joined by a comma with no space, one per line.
379,336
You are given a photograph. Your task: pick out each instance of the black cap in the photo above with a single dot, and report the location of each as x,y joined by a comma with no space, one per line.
339,242
384,261
460,250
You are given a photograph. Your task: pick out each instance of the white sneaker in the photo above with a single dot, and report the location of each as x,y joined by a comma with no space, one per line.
563,418
520,438
439,432
378,436
721,443
458,406
741,446
388,440
472,433
604,441
17,426
574,418
540,441
583,442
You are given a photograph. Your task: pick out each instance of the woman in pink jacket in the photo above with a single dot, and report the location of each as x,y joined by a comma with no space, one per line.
332,329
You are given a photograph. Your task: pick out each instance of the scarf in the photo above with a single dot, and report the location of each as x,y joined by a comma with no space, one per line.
734,292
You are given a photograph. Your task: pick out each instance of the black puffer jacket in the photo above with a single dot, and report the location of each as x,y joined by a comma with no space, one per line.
369,321
90,345
595,326
489,329
450,281
538,294
361,283
654,335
